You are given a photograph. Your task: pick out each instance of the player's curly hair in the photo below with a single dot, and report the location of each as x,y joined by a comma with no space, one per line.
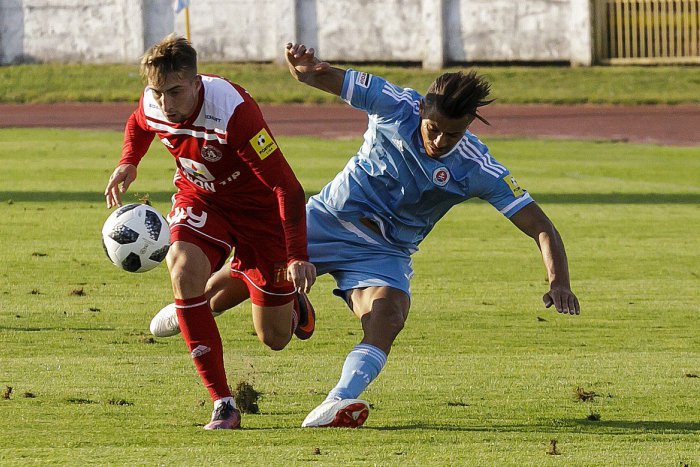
172,54
456,95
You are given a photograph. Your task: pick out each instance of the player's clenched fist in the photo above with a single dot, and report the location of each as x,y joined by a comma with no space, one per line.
118,183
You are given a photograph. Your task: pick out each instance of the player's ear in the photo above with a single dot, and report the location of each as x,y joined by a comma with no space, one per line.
421,107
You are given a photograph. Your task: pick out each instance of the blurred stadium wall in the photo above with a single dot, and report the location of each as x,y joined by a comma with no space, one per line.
430,32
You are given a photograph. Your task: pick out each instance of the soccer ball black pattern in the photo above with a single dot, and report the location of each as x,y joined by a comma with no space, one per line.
136,238
131,263
153,224
123,235
126,208
159,255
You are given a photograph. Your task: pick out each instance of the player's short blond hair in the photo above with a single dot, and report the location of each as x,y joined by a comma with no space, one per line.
172,54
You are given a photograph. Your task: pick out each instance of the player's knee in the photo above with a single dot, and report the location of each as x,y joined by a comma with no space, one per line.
276,345
275,341
388,321
395,323
396,316
188,277
177,273
185,284
179,277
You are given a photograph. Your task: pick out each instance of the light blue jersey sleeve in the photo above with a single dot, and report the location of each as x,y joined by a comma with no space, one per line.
378,97
502,192
487,178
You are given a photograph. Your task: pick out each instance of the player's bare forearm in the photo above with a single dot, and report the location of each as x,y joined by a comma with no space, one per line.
554,257
330,80
305,67
533,222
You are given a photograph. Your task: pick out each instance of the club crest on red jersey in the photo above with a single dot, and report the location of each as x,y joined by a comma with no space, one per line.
441,176
211,153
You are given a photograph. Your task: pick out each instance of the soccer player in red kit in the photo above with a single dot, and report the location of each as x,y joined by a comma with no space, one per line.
235,191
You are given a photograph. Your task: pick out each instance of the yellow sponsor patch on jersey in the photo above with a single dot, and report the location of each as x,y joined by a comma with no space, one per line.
263,143
513,185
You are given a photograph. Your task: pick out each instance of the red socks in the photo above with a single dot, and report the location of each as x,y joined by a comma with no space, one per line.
204,341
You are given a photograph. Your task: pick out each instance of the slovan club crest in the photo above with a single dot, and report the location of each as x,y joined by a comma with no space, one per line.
441,176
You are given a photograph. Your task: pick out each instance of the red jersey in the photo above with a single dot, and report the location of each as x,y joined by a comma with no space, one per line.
225,152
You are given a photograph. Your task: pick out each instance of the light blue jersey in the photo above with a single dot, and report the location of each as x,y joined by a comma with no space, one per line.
394,184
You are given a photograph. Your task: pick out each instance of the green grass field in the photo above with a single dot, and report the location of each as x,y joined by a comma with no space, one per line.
482,374
272,84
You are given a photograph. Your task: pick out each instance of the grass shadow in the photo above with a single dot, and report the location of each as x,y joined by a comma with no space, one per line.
617,198
60,328
646,426
87,196
545,198
625,427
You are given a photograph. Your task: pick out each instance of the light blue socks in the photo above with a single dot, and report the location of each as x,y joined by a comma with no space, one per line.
361,367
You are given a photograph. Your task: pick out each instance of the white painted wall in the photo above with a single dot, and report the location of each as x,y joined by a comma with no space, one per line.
505,30
581,33
94,31
236,30
158,20
368,30
11,31
431,32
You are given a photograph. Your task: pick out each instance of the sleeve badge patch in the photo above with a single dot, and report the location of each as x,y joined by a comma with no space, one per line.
363,79
513,185
263,143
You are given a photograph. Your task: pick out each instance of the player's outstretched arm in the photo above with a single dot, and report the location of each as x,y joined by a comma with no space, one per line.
307,68
118,183
535,223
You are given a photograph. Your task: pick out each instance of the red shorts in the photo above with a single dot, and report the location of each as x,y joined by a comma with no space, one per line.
260,252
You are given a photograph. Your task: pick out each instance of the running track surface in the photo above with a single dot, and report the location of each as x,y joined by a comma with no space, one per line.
667,125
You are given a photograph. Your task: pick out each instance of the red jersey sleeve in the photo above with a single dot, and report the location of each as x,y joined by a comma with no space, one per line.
250,136
137,138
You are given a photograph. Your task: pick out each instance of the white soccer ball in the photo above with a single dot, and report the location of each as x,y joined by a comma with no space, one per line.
136,237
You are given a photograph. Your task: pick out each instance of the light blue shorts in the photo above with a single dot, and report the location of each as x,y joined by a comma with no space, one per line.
353,254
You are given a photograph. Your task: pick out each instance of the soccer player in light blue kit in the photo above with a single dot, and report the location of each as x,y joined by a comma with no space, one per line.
418,160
